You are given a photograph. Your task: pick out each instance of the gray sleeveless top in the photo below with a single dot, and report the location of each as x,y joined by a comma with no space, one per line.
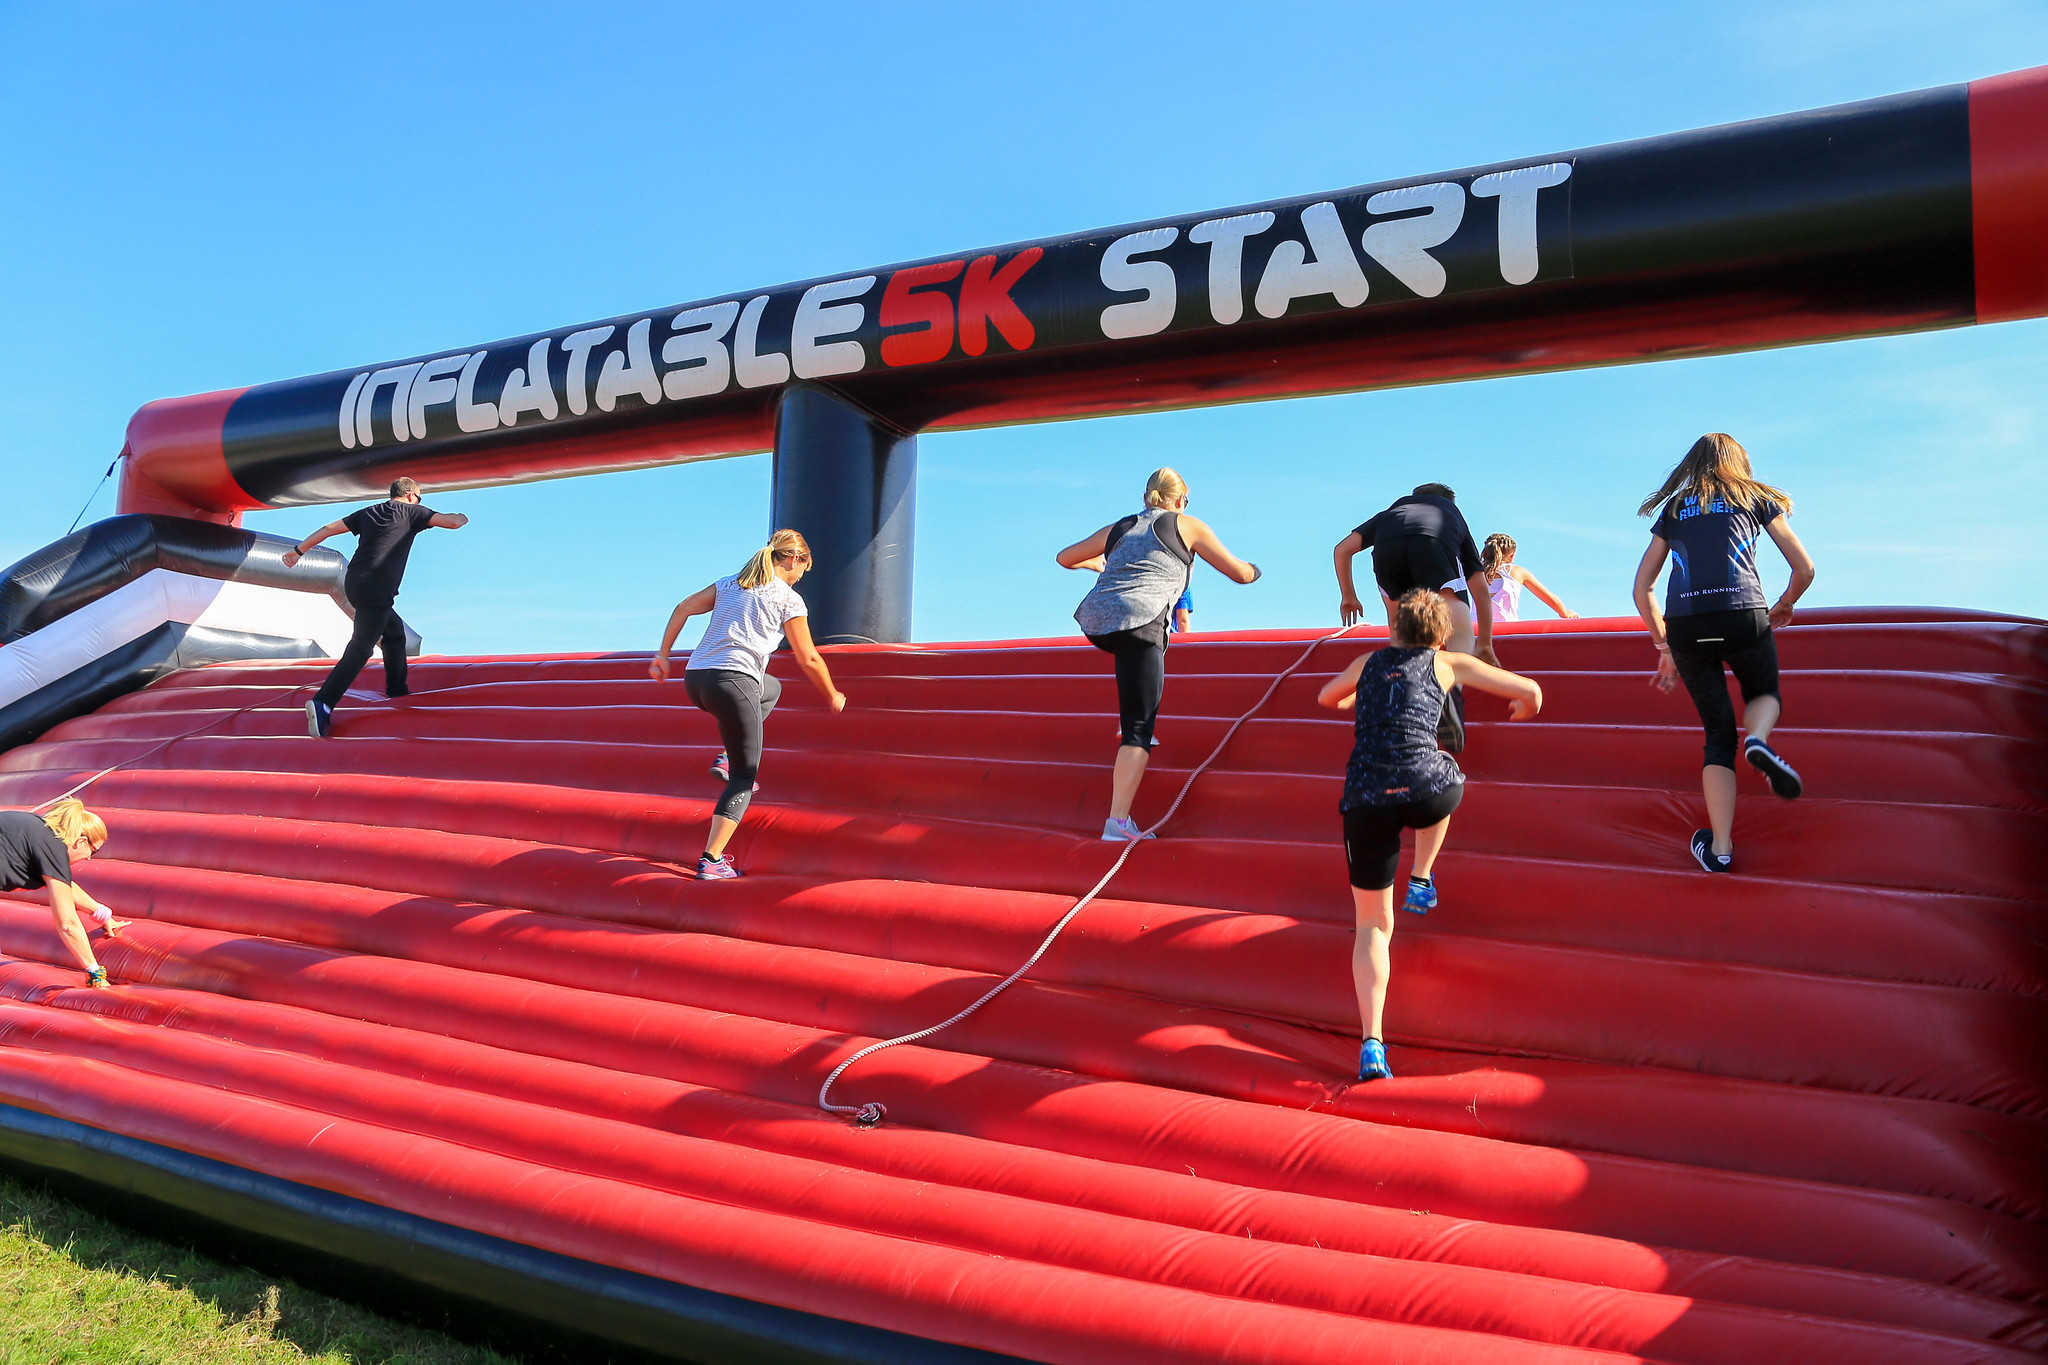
1142,575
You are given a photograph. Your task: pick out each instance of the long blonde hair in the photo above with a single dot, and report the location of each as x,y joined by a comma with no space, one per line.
1716,467
784,544
1164,488
69,818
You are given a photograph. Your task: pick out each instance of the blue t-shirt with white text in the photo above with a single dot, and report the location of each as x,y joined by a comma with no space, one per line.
1713,554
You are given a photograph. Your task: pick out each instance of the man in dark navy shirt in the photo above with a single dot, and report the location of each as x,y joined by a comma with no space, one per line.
384,534
1422,541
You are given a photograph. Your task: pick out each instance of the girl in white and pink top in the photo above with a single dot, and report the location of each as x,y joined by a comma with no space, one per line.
1505,580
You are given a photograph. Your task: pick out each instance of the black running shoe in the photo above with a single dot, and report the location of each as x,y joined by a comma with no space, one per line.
1784,779
1703,853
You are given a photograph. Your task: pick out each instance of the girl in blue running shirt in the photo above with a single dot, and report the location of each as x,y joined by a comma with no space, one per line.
1710,514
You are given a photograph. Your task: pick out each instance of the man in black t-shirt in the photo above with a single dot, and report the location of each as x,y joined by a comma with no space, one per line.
384,533
1421,541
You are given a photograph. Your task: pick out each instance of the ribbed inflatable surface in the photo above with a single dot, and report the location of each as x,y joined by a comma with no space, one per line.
453,963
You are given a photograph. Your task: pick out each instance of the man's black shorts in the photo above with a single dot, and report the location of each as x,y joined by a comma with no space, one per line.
1413,562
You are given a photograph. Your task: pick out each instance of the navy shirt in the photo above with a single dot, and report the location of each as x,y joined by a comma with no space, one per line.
1394,756
30,855
1430,516
1713,554
384,533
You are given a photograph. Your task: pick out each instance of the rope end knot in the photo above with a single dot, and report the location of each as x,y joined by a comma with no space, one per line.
869,1115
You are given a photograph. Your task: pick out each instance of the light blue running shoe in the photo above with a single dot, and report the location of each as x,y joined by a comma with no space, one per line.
1421,897
1372,1061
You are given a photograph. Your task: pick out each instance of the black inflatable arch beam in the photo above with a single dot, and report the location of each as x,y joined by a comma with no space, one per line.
1911,212
87,565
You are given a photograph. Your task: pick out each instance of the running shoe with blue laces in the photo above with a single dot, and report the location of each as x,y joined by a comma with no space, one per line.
1421,896
1372,1061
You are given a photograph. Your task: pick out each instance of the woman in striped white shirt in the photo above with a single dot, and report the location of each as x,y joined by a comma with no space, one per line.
727,673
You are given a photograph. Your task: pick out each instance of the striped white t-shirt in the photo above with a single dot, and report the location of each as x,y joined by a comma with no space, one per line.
746,625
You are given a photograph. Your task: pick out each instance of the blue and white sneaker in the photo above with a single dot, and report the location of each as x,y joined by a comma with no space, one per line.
1372,1061
319,719
1115,831
1784,779
1703,853
1421,895
710,869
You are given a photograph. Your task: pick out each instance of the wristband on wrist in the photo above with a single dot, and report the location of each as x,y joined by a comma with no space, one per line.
103,915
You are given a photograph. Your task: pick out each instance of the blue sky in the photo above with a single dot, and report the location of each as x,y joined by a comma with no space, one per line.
207,196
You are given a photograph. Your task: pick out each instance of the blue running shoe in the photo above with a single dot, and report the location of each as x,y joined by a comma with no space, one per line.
1372,1061
1421,896
319,719
1703,853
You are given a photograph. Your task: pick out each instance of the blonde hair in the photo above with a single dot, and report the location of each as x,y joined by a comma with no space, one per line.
1497,553
69,818
1164,487
1421,618
783,545
1716,467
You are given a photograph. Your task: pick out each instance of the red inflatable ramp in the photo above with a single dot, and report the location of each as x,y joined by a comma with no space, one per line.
442,994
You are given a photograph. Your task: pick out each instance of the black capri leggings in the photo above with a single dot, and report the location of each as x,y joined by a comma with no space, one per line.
1140,683
1372,835
1700,645
740,705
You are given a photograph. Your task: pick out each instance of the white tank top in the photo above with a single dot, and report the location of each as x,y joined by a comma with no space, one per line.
1507,597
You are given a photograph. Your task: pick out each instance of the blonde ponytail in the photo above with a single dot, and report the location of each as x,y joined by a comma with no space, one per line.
783,546
1164,488
69,818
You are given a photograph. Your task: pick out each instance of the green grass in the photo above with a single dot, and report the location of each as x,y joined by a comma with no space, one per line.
77,1289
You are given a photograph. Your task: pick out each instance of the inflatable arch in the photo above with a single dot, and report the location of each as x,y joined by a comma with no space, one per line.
431,1004
1918,211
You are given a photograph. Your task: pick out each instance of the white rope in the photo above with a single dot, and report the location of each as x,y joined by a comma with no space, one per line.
871,1113
165,744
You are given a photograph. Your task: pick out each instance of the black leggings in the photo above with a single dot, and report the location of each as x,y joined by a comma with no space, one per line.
1140,683
377,626
739,705
1372,834
1700,645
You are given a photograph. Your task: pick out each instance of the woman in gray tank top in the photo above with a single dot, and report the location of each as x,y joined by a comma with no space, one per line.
1144,562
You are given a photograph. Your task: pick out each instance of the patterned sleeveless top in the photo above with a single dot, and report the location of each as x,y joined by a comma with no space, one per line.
1395,759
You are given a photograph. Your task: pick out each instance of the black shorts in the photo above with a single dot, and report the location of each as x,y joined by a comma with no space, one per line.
1413,562
1372,835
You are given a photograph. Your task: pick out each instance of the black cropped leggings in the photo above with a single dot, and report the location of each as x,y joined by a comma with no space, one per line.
1140,683
1699,646
739,705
